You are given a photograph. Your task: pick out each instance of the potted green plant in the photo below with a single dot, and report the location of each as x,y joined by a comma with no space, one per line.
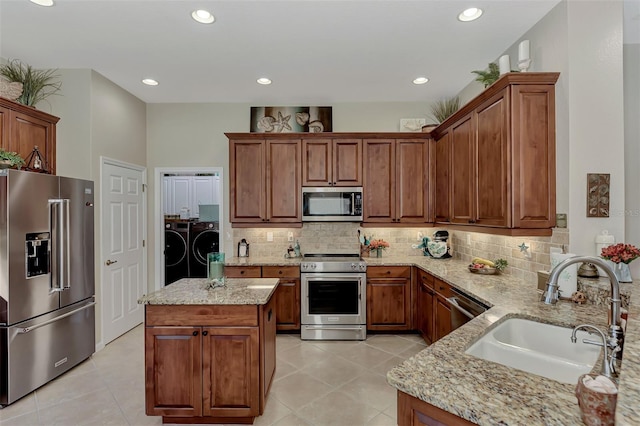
489,76
10,159
37,85
444,108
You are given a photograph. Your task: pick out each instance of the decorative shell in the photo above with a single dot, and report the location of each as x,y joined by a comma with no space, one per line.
316,126
302,118
10,89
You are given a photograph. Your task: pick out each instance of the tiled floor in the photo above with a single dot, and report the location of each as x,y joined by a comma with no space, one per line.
317,383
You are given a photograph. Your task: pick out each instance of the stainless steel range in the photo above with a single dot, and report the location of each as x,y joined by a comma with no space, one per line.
334,295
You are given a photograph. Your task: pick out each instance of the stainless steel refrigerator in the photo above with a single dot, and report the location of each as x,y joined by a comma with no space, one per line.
47,312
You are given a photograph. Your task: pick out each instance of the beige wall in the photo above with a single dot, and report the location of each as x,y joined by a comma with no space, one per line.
632,147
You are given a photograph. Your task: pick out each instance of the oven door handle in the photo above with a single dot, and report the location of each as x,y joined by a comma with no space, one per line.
328,327
453,302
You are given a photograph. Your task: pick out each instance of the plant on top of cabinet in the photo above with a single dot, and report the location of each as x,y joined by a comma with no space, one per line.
489,76
10,159
444,108
37,85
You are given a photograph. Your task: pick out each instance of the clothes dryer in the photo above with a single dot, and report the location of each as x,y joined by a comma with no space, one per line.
204,239
176,251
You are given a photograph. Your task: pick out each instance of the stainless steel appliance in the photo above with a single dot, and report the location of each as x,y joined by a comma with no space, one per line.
204,239
464,308
334,295
176,251
332,204
47,313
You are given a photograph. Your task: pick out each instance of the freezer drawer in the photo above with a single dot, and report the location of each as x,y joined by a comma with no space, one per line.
36,351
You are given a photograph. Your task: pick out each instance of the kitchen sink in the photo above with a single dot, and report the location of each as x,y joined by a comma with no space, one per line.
538,348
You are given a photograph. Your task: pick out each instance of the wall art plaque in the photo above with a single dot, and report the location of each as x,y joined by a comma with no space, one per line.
598,194
291,119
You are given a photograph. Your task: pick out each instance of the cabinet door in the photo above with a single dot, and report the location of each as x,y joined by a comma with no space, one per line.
287,295
415,412
317,162
268,348
493,182
347,162
167,196
412,179
379,175
28,132
283,181
389,298
202,192
462,181
231,371
173,371
247,187
442,311
425,307
442,173
4,128
181,193
534,154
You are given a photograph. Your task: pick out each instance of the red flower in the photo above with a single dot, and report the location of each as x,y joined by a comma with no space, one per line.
617,253
374,244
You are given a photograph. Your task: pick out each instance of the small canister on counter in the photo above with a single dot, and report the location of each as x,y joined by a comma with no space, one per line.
243,248
597,397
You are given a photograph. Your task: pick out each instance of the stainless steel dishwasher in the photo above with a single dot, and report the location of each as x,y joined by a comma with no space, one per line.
464,308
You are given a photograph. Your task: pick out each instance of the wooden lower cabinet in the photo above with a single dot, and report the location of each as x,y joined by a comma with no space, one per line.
424,306
208,363
389,298
415,412
442,311
287,295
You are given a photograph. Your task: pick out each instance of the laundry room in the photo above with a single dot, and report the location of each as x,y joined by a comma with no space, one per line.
191,205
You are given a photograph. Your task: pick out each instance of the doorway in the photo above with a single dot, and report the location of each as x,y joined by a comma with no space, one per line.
188,214
123,256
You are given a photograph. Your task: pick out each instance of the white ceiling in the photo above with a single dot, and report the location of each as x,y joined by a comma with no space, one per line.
316,52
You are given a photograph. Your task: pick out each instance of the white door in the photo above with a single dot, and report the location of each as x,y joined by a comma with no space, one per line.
123,249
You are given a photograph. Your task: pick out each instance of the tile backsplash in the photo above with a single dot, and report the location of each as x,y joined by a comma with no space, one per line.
343,238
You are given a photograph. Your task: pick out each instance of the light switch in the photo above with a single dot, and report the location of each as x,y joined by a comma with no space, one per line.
419,236
289,236
269,236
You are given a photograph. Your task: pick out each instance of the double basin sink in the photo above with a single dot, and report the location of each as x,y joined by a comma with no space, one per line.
538,348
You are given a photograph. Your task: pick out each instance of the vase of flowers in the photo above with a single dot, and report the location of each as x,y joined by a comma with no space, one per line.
377,246
619,256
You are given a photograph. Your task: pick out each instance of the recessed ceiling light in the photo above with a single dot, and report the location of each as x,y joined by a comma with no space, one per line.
470,14
43,2
203,16
420,80
263,80
149,82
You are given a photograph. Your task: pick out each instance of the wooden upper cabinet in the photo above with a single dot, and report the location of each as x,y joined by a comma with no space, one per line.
442,177
379,173
502,158
412,179
332,162
22,128
265,181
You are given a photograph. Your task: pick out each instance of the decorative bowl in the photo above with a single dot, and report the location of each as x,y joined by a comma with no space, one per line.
485,271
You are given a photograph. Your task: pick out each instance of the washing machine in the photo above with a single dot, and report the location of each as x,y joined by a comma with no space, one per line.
176,251
204,239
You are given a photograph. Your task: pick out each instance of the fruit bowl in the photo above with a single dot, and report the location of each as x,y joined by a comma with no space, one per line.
486,270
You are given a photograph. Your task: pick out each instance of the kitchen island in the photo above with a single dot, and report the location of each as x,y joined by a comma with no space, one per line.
209,353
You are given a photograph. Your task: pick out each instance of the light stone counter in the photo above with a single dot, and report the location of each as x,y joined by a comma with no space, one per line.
488,393
192,291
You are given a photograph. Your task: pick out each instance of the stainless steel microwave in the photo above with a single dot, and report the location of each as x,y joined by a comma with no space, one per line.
332,204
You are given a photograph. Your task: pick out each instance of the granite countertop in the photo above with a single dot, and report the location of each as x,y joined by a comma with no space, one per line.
192,291
487,393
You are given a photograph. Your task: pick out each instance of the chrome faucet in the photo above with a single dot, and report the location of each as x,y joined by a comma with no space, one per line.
608,367
550,297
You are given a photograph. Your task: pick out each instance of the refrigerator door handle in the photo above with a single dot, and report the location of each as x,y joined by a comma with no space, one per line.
52,320
60,259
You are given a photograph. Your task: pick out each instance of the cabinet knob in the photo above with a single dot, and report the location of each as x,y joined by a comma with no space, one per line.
241,272
280,272
204,333
195,333
472,221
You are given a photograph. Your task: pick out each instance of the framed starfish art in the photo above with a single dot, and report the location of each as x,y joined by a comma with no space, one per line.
291,119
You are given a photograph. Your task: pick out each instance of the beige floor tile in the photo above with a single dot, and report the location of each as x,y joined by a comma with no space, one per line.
302,355
21,407
371,389
298,389
384,368
286,341
68,387
392,410
366,356
273,412
333,370
283,368
337,409
29,419
414,338
411,351
292,420
382,420
389,343
97,408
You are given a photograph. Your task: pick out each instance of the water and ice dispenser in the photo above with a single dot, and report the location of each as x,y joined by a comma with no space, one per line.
37,254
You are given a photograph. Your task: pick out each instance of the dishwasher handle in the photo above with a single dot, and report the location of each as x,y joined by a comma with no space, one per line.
453,302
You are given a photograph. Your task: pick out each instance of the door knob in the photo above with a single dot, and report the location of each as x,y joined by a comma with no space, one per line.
110,262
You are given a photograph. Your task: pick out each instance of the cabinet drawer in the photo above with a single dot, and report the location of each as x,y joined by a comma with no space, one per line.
242,271
442,288
388,272
201,315
280,271
426,279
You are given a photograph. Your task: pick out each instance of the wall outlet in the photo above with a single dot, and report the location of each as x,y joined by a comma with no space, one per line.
419,236
468,239
289,236
269,236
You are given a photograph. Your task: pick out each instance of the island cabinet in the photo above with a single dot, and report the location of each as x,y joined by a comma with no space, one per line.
415,412
209,363
265,181
22,128
389,306
396,181
331,162
499,150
